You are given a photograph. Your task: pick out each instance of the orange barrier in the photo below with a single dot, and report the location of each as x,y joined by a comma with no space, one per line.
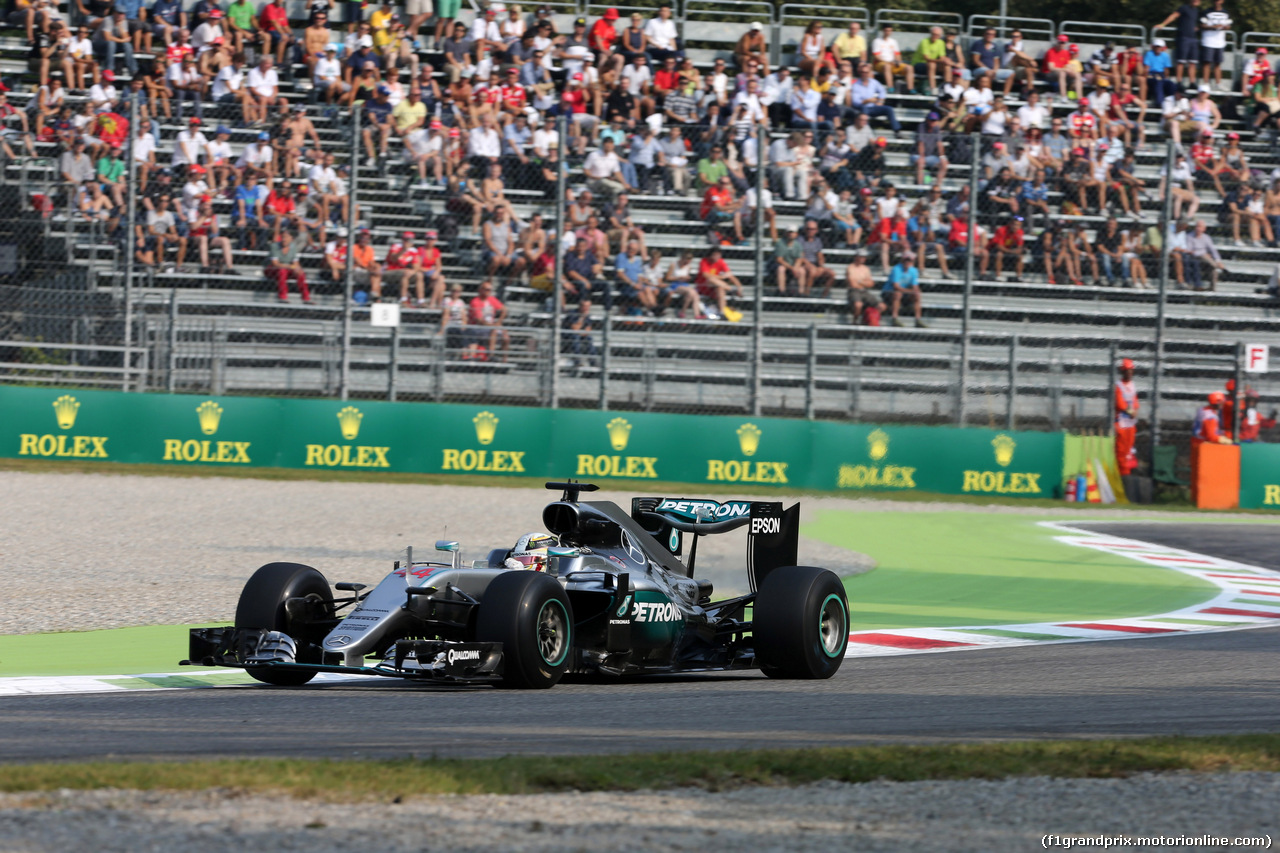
1215,475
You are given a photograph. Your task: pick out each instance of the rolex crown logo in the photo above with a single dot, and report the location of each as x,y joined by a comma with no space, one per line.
1004,449
877,445
349,420
749,439
209,413
619,433
65,409
486,426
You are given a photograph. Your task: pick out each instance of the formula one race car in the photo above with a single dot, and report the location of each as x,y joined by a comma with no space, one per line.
603,592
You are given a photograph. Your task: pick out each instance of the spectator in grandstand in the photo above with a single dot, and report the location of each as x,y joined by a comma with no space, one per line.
1247,207
1057,60
1008,240
1213,42
263,84
1205,114
660,36
811,51
283,264
273,22
805,102
922,235
986,57
633,288
576,339
248,209
453,319
204,231
75,165
786,172
1187,17
1157,64
1181,186
1018,60
903,285
865,300
850,45
887,55
1109,245
241,25
1264,99
788,263
714,281
377,122
813,260
1001,194
928,60
113,35
500,239
752,47
583,274
486,316
403,264
867,96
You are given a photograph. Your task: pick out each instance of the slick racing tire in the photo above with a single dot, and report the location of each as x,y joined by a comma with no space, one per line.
800,623
262,606
529,613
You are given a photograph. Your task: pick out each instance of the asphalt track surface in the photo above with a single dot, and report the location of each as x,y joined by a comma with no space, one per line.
1192,684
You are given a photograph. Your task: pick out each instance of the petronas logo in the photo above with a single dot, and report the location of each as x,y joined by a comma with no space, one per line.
619,433
749,439
209,413
349,420
486,427
65,408
1004,446
877,445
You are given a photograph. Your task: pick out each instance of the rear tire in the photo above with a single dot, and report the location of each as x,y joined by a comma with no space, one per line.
530,614
262,606
800,623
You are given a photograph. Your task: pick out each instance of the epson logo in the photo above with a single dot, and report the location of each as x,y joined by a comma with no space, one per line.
455,655
647,612
765,525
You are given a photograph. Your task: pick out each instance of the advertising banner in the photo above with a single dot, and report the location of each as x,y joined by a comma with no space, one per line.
1260,476
88,425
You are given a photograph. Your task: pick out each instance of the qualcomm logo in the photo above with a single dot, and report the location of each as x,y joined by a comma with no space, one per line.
455,655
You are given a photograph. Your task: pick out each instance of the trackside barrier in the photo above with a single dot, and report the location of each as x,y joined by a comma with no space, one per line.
87,426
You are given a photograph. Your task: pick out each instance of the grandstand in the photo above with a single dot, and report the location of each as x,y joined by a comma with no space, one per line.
1035,354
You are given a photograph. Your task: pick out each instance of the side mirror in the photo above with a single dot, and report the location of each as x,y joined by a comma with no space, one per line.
453,548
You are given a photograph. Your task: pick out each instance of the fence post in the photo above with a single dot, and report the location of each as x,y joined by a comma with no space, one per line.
811,371
1166,214
1011,399
348,288
171,379
975,159
557,247
131,218
1237,396
604,363
757,331
392,363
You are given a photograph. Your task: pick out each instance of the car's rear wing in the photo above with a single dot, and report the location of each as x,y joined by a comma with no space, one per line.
772,532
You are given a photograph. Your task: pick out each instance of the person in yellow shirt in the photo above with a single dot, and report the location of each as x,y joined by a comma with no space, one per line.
928,57
851,45
410,114
380,24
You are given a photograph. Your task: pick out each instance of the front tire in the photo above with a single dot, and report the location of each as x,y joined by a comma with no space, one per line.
262,606
800,623
530,614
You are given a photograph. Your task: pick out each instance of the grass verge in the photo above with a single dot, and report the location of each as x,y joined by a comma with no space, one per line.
45,466
329,779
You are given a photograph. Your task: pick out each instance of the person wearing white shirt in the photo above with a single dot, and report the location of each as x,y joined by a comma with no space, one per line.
218,155
484,142
190,144
103,96
804,106
327,76
545,138
750,98
144,156
886,53
749,210
662,35
258,155
263,85
228,86
1033,113
485,33
637,76
604,171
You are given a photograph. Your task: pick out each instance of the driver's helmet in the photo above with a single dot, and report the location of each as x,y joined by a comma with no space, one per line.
531,551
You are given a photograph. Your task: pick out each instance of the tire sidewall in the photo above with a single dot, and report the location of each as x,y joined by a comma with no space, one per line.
261,605
510,613
787,622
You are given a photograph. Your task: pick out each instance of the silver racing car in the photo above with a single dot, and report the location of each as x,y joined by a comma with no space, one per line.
602,591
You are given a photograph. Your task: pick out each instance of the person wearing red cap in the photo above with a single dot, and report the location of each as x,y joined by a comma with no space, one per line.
1125,403
601,38
1207,426
1056,60
1258,68
404,265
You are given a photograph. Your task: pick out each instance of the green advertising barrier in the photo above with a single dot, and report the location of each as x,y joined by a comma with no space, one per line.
517,441
1260,476
864,457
